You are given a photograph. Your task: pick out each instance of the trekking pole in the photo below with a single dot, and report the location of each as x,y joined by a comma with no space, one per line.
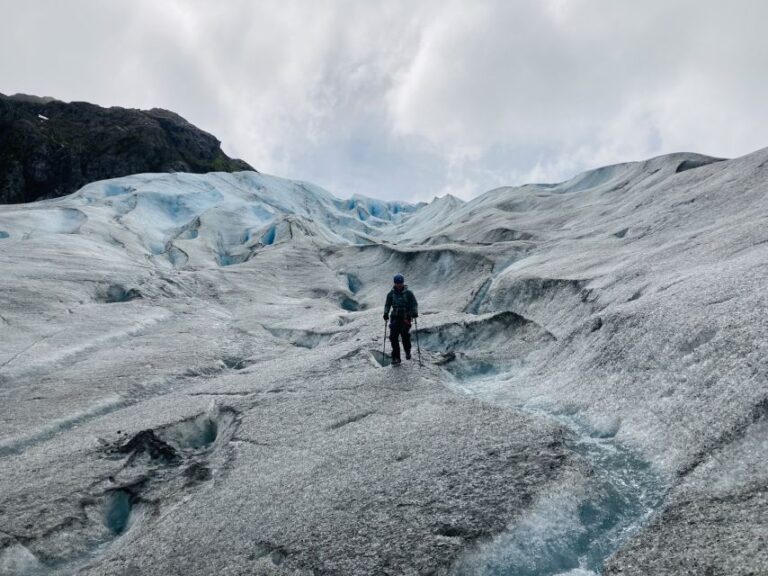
416,321
384,350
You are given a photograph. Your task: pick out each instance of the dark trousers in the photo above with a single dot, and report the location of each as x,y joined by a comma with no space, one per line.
399,327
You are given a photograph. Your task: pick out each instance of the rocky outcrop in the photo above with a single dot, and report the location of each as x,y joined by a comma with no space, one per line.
50,148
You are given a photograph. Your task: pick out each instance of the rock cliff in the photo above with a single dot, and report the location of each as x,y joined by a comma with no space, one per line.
50,148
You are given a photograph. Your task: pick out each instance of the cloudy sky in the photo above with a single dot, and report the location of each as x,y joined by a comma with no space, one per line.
407,99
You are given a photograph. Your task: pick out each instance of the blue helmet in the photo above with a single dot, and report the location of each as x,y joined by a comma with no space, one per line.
399,279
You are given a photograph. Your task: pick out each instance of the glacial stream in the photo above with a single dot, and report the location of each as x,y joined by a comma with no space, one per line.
575,528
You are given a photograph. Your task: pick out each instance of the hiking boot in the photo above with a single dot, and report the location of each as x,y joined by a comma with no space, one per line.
407,354
395,361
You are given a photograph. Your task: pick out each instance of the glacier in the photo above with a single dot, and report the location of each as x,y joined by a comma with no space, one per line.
192,377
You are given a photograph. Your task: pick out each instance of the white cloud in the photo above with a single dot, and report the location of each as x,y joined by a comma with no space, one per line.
403,99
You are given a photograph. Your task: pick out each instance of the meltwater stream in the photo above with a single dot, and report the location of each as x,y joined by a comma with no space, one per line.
575,528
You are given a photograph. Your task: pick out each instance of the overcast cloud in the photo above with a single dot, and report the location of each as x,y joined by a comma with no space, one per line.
408,100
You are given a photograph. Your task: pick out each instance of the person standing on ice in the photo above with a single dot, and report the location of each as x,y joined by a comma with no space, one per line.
404,307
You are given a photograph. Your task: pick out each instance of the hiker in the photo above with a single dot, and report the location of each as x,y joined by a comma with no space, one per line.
404,308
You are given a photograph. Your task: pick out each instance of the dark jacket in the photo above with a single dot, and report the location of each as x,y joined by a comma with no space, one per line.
402,302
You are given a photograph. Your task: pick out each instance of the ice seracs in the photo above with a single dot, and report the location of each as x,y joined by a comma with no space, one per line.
199,220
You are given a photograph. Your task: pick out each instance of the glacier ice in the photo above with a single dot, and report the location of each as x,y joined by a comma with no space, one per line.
571,332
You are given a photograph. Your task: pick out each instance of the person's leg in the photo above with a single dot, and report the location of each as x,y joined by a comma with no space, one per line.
394,333
406,341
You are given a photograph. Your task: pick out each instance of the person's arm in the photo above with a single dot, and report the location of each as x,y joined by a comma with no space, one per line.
387,305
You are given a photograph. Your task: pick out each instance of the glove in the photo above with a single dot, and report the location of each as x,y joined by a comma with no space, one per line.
415,315
386,316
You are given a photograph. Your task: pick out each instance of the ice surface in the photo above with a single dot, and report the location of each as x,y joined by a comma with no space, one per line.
237,318
16,559
41,221
573,529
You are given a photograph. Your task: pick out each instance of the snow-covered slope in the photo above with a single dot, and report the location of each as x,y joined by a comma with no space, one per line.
525,212
192,377
426,219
